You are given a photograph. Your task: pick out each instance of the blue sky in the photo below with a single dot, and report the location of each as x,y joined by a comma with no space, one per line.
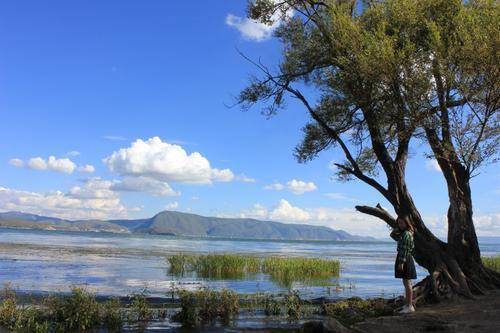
129,98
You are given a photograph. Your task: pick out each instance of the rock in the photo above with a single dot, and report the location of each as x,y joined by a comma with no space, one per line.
332,325
313,327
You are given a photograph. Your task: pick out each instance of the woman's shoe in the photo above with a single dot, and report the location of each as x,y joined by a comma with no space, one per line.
407,309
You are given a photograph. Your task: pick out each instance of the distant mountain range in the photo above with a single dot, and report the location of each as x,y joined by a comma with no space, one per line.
182,224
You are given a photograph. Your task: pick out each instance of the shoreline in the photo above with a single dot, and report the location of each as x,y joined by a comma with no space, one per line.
456,315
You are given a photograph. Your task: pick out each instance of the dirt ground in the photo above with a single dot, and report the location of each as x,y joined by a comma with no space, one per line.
481,315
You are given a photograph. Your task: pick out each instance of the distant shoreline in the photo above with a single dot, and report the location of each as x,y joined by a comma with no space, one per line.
137,234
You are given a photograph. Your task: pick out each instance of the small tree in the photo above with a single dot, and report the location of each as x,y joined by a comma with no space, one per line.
381,74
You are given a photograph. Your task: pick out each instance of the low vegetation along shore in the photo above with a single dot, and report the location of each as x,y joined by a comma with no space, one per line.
82,311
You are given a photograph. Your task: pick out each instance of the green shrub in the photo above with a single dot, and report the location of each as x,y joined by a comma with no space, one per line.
271,306
206,306
293,306
140,307
77,312
112,315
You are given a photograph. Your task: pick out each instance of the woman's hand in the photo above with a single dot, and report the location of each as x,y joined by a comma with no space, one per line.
400,267
395,234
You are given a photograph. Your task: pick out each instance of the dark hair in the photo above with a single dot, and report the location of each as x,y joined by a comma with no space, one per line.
406,219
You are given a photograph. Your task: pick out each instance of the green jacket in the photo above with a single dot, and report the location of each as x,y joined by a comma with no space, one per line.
406,246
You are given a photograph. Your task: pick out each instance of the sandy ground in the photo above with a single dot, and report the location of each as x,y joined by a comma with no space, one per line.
481,315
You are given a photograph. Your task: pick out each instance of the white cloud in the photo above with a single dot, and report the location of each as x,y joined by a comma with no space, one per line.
86,168
245,179
300,187
275,187
73,153
336,196
64,165
251,29
254,30
256,212
16,162
172,205
144,184
166,162
114,138
432,165
286,212
339,196
92,201
37,163
347,219
295,186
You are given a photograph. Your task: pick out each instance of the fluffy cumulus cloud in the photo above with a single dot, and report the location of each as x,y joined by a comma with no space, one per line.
300,187
92,200
144,184
63,165
295,186
165,162
286,212
86,168
254,30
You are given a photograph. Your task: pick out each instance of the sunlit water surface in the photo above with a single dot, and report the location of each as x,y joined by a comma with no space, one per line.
113,264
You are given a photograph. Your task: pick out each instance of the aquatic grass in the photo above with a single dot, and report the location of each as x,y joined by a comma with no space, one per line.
285,270
226,266
205,306
492,263
282,270
181,263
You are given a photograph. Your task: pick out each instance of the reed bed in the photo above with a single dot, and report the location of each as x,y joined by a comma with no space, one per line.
492,263
283,270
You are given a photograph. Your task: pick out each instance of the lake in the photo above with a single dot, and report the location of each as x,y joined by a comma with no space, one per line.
121,264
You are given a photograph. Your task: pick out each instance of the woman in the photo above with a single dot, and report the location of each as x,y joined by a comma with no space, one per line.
404,267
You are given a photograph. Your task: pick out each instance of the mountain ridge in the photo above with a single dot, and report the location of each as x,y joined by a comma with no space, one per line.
176,223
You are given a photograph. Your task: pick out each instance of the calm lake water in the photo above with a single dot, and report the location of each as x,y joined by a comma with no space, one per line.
113,264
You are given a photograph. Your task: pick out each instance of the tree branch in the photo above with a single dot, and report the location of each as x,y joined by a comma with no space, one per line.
379,212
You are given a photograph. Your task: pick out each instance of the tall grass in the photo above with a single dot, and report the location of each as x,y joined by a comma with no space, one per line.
282,270
492,262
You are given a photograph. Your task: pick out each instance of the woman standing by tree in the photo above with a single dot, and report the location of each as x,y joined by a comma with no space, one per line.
404,267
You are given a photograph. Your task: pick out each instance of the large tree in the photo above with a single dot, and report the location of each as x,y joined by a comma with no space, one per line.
375,75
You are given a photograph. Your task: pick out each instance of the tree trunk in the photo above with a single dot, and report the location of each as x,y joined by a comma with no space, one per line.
455,267
462,239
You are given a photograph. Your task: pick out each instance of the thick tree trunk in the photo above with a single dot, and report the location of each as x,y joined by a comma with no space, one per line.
455,267
462,239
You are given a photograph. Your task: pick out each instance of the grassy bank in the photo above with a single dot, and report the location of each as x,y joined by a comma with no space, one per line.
492,263
282,270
